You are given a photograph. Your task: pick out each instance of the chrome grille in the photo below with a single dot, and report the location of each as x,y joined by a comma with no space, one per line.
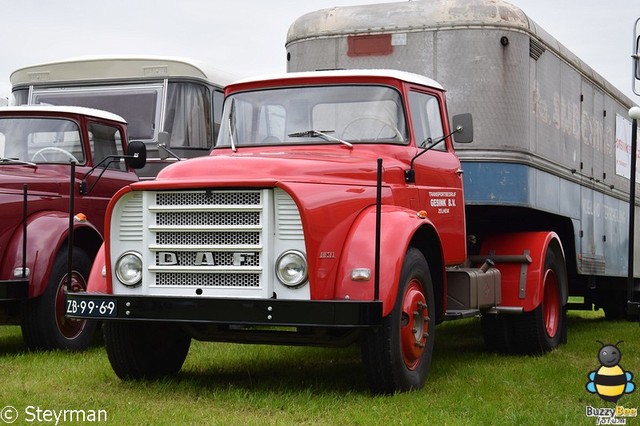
209,238
208,218
217,258
208,280
208,198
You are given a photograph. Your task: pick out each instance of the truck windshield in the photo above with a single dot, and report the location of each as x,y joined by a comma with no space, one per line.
313,115
39,140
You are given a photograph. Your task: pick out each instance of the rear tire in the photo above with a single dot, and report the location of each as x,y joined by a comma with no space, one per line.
397,356
497,331
544,328
44,326
140,350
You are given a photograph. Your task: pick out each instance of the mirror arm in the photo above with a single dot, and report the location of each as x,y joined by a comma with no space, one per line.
111,159
410,175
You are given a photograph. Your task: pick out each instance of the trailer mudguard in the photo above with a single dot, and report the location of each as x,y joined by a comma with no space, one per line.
398,226
520,257
46,233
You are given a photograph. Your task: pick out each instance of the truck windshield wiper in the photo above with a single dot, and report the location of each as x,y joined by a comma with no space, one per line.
4,160
322,133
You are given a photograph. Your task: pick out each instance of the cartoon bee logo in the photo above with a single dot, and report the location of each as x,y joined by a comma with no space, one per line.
610,381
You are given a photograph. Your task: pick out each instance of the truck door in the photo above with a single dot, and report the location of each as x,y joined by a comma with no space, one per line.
438,174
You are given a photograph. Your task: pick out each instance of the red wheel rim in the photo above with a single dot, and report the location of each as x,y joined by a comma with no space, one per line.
69,327
551,303
414,329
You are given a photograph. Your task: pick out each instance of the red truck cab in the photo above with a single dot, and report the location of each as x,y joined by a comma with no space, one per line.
277,227
37,145
331,211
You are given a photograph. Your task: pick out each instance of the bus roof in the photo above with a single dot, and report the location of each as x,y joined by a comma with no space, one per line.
91,112
103,68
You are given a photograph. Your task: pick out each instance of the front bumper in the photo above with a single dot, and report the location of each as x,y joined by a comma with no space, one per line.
14,289
272,312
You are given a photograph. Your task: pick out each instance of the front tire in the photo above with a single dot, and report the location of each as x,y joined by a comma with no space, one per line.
397,356
44,326
140,350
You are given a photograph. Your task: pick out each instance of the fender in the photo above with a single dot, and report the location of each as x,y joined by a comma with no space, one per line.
98,282
46,233
535,244
398,226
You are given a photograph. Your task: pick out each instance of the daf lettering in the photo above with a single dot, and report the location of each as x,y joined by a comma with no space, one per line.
166,258
204,258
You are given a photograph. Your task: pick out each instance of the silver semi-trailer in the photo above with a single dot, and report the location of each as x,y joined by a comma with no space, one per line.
552,138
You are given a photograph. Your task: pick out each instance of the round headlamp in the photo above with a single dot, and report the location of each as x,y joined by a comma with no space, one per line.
291,268
129,268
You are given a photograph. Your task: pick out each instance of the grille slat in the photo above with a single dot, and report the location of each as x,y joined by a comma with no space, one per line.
131,228
288,222
208,280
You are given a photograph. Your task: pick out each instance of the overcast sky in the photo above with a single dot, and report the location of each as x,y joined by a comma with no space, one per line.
246,37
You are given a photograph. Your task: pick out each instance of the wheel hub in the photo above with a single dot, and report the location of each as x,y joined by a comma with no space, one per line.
415,324
69,327
551,303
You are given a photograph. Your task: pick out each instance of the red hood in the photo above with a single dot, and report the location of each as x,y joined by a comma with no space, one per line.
265,167
50,180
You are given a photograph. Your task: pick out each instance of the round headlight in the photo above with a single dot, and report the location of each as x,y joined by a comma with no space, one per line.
291,268
129,268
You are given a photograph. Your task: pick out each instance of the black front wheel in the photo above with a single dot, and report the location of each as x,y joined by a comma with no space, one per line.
397,356
44,326
141,350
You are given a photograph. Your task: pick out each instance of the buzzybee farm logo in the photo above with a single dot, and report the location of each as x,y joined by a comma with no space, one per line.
610,381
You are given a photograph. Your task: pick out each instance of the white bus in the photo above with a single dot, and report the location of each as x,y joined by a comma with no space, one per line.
169,101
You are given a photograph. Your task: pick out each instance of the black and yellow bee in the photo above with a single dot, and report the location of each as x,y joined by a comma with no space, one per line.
610,381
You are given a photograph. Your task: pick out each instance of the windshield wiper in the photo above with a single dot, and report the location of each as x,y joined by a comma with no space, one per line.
322,133
4,160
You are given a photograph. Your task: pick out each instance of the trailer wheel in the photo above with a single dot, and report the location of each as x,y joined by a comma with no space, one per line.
542,329
44,326
613,300
397,356
140,350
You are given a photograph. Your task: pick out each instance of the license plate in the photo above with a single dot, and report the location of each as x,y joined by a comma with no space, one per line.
87,307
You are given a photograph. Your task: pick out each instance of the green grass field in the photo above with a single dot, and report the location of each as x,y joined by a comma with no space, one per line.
230,384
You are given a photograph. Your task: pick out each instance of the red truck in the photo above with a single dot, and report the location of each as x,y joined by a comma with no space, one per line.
330,212
37,145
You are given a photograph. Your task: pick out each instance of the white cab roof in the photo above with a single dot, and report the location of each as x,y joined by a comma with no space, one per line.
91,112
399,75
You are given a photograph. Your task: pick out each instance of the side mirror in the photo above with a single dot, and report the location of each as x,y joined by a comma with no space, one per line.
136,157
463,128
